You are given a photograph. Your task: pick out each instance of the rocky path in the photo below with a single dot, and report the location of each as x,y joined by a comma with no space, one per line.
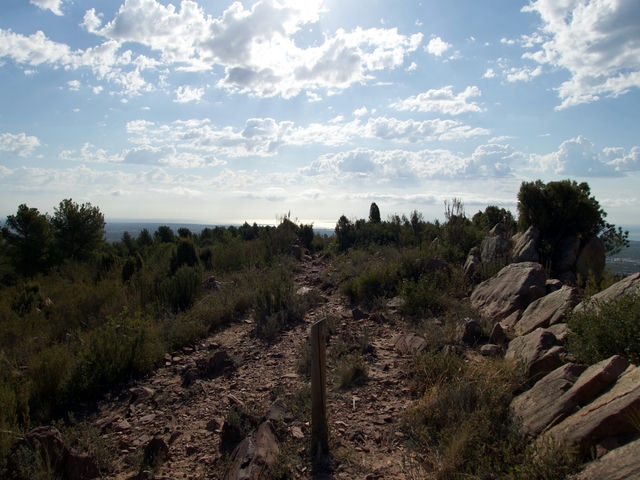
188,411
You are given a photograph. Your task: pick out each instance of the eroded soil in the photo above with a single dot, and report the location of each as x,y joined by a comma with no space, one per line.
366,437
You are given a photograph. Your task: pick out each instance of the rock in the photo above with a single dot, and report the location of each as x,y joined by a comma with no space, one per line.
395,303
498,336
546,402
358,314
525,246
597,378
216,365
495,247
627,286
81,466
408,344
296,432
512,289
156,452
469,332
606,416
490,350
278,411
141,394
473,265
561,331
620,464
253,457
536,352
44,447
547,310
566,256
41,446
592,259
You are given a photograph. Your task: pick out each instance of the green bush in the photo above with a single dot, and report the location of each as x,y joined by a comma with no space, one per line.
181,289
462,419
277,305
124,348
606,329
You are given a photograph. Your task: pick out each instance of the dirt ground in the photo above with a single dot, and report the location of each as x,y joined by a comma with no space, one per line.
365,434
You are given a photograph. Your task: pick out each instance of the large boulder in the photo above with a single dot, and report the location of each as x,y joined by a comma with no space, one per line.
546,401
565,257
513,288
627,286
609,415
525,246
620,464
495,247
563,391
547,310
538,353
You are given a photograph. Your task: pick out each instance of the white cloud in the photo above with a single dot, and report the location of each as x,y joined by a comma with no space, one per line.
186,94
490,73
437,46
524,74
53,5
257,46
91,21
265,137
19,144
495,160
399,167
442,100
623,161
74,85
598,42
576,156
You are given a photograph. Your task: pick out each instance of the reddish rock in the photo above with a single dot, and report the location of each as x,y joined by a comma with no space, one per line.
513,288
609,415
620,464
627,286
547,310
253,457
536,352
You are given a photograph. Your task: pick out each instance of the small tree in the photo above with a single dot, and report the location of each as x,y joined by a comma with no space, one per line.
345,234
29,239
164,234
374,213
78,229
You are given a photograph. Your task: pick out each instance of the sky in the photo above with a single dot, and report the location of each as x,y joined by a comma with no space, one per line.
221,112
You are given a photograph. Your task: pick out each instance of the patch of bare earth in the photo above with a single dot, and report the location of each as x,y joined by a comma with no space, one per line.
188,413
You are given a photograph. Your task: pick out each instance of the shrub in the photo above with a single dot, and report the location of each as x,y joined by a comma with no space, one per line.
351,371
606,329
124,348
180,290
277,305
462,420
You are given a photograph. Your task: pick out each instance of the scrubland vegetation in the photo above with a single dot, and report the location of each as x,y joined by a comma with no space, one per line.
79,317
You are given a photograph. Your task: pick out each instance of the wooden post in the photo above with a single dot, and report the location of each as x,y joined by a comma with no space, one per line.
319,426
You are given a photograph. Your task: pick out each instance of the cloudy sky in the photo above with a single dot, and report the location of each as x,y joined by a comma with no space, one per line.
219,112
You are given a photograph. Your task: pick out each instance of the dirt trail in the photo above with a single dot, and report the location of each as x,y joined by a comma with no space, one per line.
364,422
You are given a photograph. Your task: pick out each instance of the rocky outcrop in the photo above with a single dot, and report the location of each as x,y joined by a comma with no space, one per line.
538,352
620,464
609,415
547,310
546,402
563,391
627,286
525,246
512,289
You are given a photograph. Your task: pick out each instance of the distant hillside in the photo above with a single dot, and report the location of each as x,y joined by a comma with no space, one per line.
627,261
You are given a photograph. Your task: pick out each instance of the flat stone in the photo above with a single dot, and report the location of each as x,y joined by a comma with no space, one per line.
620,464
